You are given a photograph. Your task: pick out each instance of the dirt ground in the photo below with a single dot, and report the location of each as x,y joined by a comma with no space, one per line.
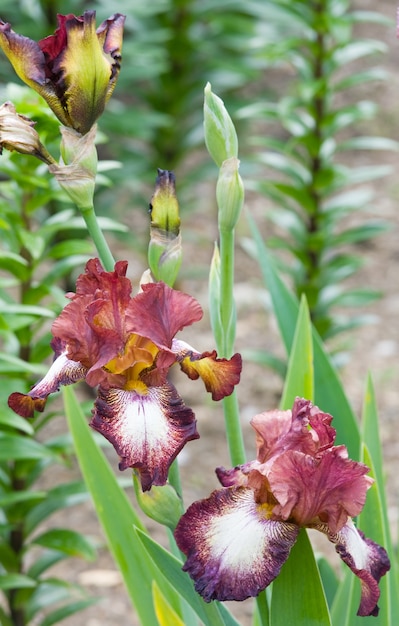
374,348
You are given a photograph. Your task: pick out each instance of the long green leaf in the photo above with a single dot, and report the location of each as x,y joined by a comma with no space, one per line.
116,515
299,379
298,596
329,393
213,614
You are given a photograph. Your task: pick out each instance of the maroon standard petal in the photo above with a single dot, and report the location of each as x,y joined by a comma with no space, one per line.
147,431
93,324
366,559
159,312
305,429
62,372
233,551
330,489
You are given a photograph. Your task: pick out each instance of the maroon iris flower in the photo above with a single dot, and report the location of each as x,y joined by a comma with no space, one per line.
126,345
237,540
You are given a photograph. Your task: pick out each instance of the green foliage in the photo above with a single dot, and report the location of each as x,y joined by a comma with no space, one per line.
173,48
308,157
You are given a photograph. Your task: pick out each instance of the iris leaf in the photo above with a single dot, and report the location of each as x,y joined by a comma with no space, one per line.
298,596
299,379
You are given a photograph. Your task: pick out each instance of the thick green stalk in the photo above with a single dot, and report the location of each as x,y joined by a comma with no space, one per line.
98,238
226,342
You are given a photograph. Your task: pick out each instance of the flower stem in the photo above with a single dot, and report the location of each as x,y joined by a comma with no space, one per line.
226,343
227,306
98,238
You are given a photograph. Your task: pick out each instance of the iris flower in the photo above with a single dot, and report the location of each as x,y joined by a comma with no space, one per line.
126,345
74,70
237,540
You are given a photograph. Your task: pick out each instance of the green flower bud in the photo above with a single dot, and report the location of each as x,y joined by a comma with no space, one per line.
229,194
165,251
161,504
220,134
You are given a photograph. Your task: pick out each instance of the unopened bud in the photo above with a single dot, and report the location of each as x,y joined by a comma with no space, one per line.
17,133
220,134
161,504
229,194
76,173
164,250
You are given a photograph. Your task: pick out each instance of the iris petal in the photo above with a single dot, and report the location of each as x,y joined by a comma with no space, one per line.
219,375
233,550
147,430
366,559
159,312
330,489
63,371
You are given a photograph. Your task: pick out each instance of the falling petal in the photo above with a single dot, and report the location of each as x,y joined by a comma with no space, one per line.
366,559
219,375
233,550
63,371
147,428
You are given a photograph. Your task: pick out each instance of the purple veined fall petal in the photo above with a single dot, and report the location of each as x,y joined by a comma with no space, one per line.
233,550
219,375
63,371
147,430
368,560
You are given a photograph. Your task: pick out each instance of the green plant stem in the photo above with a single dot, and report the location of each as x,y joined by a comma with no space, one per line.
227,306
226,342
233,429
98,238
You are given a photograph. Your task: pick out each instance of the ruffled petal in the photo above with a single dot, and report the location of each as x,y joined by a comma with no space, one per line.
63,371
305,428
368,560
159,312
27,60
219,375
86,72
233,551
330,489
147,431
93,324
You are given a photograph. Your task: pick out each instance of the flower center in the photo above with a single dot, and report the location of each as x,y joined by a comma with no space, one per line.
139,354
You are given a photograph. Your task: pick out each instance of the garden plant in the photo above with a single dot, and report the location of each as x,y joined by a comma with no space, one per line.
73,312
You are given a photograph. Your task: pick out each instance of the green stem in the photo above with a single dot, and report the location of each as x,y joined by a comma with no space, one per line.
98,238
233,429
227,306
226,343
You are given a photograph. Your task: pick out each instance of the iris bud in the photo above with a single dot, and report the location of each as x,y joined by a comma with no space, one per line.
220,134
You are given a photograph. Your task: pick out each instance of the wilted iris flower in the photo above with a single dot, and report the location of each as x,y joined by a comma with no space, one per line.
126,345
74,70
237,540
